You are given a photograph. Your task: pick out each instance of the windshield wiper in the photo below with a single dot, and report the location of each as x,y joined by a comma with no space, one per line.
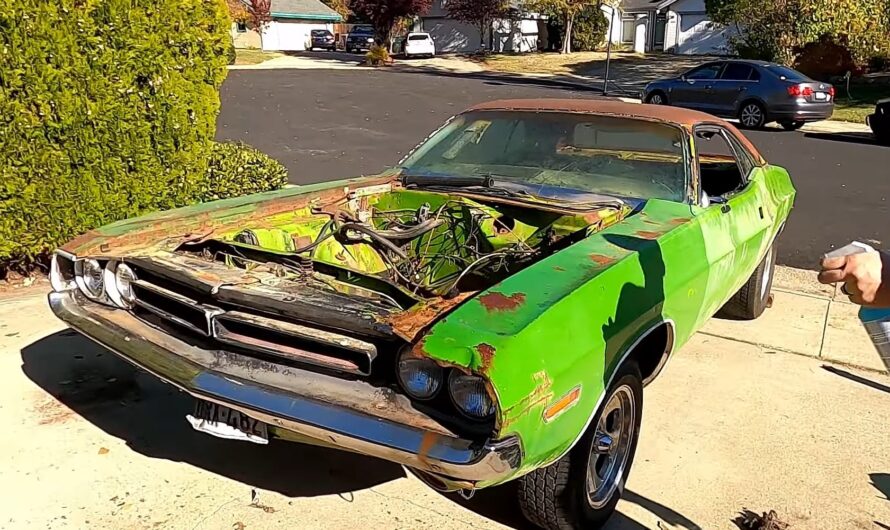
481,181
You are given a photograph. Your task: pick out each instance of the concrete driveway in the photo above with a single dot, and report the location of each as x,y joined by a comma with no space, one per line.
89,442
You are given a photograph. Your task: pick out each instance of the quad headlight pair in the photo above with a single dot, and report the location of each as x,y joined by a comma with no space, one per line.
102,281
422,379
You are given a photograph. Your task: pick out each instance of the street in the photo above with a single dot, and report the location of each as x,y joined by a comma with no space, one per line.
328,124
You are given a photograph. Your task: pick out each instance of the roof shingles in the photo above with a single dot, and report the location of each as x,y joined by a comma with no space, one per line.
304,9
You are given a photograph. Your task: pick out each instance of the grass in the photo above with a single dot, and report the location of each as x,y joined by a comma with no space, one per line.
862,103
254,56
548,63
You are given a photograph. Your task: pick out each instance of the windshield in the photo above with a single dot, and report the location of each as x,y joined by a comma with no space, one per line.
546,151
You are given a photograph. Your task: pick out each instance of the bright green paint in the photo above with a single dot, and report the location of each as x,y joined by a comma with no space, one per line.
579,314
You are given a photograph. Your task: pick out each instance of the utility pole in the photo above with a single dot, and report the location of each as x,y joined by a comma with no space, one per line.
609,49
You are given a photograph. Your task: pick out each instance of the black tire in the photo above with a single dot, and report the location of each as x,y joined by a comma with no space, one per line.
751,300
657,98
752,115
556,497
791,125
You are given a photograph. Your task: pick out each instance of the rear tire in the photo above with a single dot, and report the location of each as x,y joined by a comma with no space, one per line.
751,300
752,115
791,125
565,495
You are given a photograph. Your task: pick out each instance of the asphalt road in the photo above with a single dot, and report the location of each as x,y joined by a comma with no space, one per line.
328,124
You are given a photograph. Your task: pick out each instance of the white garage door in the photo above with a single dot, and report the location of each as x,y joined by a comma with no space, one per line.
289,35
698,36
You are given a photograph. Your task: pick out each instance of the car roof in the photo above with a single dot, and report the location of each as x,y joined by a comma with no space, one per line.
685,118
609,107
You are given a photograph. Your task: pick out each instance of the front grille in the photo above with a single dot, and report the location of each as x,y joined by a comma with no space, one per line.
271,337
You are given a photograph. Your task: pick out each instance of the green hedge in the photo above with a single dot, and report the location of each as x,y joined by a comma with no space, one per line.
107,110
238,169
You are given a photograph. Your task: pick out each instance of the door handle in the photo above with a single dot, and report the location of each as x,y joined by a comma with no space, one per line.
726,208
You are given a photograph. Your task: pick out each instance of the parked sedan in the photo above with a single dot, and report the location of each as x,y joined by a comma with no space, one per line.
880,121
321,38
418,44
755,92
489,310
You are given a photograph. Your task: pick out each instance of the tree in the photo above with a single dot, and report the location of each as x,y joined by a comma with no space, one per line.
257,13
479,13
779,30
384,14
340,6
589,29
567,11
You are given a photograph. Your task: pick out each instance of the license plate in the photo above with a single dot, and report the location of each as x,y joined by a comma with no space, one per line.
223,422
822,96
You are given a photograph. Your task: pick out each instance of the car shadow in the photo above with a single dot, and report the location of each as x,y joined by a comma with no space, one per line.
847,137
859,379
500,504
881,482
149,416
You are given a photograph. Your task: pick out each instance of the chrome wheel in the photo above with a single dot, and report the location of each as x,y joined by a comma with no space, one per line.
656,99
612,443
752,115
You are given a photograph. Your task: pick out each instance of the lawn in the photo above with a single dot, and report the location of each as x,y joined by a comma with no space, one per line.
253,56
551,63
862,103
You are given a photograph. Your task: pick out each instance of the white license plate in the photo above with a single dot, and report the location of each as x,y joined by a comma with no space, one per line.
223,422
822,96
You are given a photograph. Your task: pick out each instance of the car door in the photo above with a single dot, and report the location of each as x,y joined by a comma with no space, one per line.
736,81
694,88
735,219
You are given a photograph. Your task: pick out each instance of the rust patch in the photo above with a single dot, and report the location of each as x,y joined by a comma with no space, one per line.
408,324
557,268
486,353
494,301
647,234
540,396
600,259
426,443
678,221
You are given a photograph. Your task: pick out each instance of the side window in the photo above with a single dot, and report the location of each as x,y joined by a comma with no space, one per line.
708,71
721,170
755,74
737,72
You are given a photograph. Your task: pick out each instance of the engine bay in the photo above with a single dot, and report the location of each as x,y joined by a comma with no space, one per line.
401,246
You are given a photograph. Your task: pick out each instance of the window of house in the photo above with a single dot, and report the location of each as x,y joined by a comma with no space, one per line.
242,27
627,29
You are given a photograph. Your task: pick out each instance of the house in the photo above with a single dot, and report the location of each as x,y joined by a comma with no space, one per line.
292,20
518,34
673,26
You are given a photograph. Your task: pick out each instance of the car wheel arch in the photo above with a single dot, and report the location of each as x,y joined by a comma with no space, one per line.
653,347
751,99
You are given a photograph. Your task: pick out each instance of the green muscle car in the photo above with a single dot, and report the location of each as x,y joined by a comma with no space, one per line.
488,310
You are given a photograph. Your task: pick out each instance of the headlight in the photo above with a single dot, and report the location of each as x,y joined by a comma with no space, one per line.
470,396
119,278
421,378
90,278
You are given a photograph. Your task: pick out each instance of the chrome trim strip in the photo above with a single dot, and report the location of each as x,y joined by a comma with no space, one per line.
258,390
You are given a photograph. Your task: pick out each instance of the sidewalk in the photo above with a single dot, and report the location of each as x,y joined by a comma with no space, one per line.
808,319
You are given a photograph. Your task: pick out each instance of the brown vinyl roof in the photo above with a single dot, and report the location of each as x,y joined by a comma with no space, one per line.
608,107
675,115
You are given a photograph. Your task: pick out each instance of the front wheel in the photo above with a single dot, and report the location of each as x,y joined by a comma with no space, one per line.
656,98
581,489
752,115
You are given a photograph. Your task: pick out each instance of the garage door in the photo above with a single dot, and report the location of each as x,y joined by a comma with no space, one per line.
698,36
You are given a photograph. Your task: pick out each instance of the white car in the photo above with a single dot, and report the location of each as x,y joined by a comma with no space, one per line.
419,44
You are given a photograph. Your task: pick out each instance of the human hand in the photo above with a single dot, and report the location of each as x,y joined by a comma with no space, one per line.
866,279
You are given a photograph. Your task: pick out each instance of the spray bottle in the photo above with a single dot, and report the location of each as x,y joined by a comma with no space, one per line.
875,319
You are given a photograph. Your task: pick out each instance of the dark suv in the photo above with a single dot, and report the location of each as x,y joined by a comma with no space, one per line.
323,39
755,92
359,39
880,121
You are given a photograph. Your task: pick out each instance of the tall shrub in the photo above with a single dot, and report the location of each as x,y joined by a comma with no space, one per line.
107,110
589,33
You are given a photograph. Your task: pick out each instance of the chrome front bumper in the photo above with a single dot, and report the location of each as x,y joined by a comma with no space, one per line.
350,415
